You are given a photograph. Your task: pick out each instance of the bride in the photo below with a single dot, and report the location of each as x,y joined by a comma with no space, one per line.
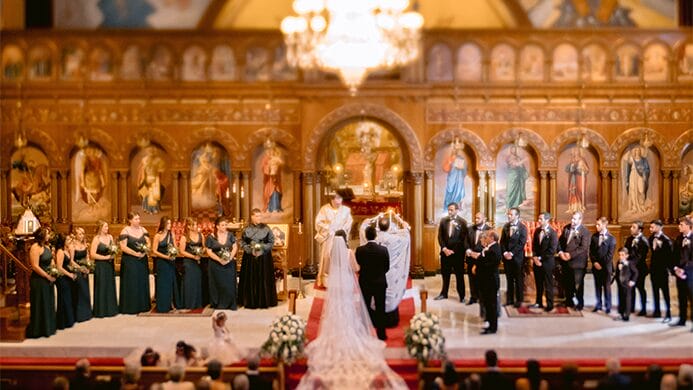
346,354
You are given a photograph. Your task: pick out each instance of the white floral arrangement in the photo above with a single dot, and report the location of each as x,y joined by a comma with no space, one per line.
287,339
196,250
86,266
225,254
113,249
171,250
53,271
424,338
143,247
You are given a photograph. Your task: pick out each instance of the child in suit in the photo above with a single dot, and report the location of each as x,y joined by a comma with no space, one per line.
626,276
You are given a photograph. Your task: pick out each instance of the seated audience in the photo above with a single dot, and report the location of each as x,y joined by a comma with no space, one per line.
82,379
256,380
131,377
450,379
240,382
61,383
685,376
150,358
533,380
214,369
493,379
569,373
614,379
176,374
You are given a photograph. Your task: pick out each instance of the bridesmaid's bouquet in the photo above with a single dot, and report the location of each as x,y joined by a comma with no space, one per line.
113,249
287,339
225,254
171,250
197,250
87,265
257,249
424,338
143,247
53,271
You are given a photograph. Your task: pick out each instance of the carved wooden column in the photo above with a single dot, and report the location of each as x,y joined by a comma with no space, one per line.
491,198
4,195
553,200
319,186
604,203
65,204
184,190
245,195
311,269
429,217
55,212
175,209
543,191
482,194
123,191
615,193
675,176
298,201
666,195
417,270
114,196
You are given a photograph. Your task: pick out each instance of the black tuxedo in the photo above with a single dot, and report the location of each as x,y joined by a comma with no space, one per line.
660,263
487,274
573,270
515,244
544,246
626,273
474,243
456,239
603,254
637,250
683,258
374,261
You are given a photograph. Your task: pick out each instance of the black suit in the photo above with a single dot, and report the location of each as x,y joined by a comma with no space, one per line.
495,380
456,239
573,270
487,274
515,244
660,264
474,244
544,246
637,250
626,273
683,256
374,261
603,254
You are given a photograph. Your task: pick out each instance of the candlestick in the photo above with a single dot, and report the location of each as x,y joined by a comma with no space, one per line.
233,189
300,228
242,192
228,195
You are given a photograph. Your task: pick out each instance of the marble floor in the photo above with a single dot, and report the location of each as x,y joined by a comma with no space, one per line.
595,335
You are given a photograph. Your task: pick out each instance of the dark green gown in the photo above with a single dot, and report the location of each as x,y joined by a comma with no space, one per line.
105,302
256,289
65,314
166,292
222,278
81,296
42,298
192,279
134,278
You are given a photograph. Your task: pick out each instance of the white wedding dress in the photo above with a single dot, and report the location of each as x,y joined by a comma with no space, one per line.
346,354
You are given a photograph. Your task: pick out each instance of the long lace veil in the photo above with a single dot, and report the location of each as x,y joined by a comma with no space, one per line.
346,354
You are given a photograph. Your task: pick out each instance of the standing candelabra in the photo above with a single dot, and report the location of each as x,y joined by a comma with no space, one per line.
300,265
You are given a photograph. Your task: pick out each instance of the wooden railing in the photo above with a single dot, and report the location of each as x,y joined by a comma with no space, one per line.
6,255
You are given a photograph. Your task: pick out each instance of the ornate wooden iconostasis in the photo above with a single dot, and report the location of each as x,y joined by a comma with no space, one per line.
216,123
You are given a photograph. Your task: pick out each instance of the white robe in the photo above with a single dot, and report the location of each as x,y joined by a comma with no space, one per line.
327,222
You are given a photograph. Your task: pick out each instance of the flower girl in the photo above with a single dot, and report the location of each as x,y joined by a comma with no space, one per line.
222,348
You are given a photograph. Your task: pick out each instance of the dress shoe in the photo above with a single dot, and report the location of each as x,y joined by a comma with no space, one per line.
517,305
642,313
509,303
548,309
625,318
607,311
461,300
679,323
488,331
596,309
666,319
656,314
578,307
471,301
537,306
440,297
618,318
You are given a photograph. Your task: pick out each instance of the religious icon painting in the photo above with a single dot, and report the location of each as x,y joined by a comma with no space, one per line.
469,64
150,183
577,180
194,64
258,66
565,63
627,63
160,65
639,192
211,189
655,66
439,63
272,183
594,60
71,62
502,66
531,63
132,64
686,183
223,64
40,63
91,199
685,62
453,182
281,234
100,64
516,182
30,182
281,70
12,63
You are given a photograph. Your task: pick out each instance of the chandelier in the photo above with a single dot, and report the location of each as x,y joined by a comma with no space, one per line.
351,37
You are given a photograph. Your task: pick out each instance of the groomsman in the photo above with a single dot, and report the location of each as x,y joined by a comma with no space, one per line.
602,246
544,246
487,272
638,247
452,238
660,264
573,249
475,245
683,269
512,243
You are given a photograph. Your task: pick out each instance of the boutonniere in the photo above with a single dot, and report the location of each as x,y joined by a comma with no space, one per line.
686,241
454,223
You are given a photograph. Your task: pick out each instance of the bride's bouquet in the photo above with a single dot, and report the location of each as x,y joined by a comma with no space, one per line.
287,338
171,250
424,338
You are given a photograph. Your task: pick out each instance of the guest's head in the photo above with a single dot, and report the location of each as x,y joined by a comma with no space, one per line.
79,235
214,369
220,318
450,376
371,233
133,218
513,214
491,358
473,382
203,384
59,241
533,373
82,368
544,218
668,382
576,220
240,382
480,218
685,376
253,362
569,373
184,349
164,224
150,358
176,373
452,209
61,383
131,374
654,373
656,226
613,366
623,253
602,224
685,225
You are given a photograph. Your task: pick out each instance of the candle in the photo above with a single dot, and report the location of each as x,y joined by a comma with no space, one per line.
233,189
227,193
300,228
242,192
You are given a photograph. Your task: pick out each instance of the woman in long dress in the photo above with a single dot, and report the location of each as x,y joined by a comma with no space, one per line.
359,363
257,288
221,249
191,247
166,285
80,293
134,267
42,294
65,314
105,301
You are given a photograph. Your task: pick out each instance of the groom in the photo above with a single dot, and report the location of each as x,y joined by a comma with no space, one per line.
374,262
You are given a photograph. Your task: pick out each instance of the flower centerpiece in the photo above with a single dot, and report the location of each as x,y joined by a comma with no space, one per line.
287,338
424,338
172,251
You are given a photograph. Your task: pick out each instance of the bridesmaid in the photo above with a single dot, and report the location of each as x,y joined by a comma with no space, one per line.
42,294
166,286
65,315
191,247
222,271
134,267
105,303
81,295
